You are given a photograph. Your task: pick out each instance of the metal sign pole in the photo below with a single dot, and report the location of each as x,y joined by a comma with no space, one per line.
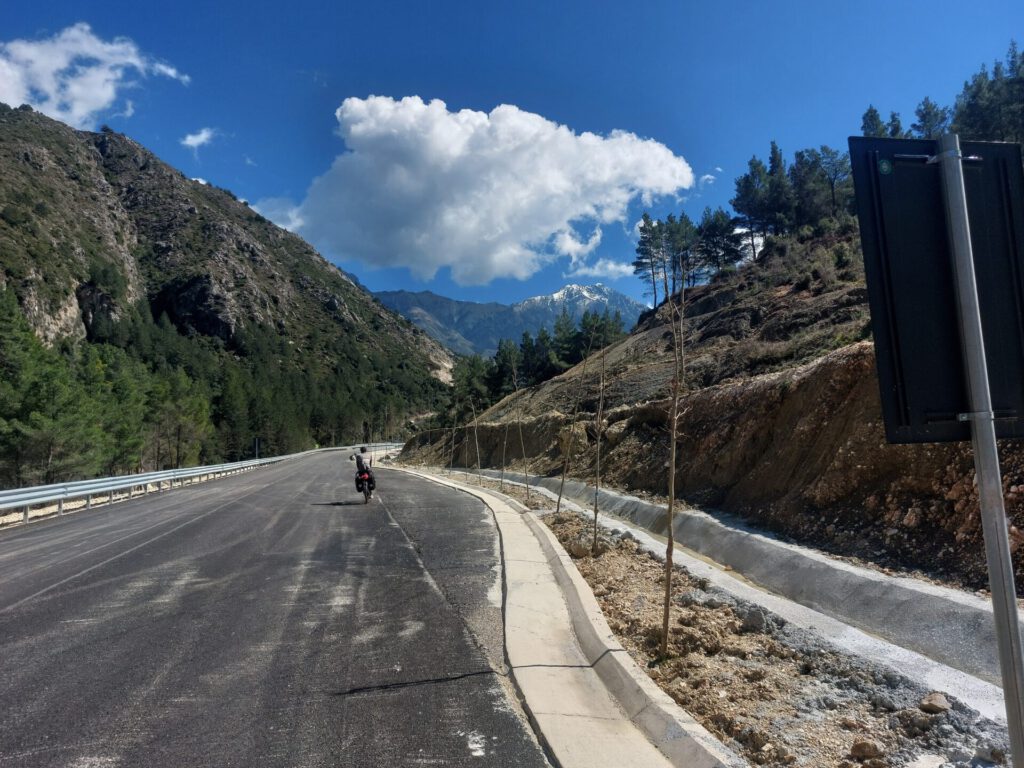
986,455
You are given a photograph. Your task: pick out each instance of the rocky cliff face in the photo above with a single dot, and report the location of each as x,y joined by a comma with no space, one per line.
90,224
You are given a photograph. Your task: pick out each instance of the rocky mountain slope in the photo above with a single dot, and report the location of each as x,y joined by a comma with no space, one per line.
468,327
102,242
781,422
77,206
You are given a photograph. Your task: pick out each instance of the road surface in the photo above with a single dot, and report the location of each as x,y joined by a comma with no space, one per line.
266,619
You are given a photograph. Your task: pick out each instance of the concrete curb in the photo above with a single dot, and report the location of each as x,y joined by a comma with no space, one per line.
676,735
953,627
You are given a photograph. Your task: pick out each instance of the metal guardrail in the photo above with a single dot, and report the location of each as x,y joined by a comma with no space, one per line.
60,493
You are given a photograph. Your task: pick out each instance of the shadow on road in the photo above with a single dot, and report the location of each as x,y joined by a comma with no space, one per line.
355,691
354,503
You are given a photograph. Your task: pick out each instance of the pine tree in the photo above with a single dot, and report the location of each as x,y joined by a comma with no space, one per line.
681,237
932,120
780,199
718,245
751,200
527,356
647,254
502,377
565,343
894,128
837,170
991,105
232,416
810,188
871,123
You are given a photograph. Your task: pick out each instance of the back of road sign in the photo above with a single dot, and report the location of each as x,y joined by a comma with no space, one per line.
911,285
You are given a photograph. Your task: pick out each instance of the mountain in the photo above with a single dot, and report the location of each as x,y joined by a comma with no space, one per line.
468,327
118,262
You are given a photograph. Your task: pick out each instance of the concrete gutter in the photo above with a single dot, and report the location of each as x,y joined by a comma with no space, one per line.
589,701
977,694
947,625
666,724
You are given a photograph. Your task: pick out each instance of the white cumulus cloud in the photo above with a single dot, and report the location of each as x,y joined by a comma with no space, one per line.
200,138
603,268
490,195
74,76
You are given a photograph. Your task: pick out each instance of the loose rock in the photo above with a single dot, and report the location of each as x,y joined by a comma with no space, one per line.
935,703
865,750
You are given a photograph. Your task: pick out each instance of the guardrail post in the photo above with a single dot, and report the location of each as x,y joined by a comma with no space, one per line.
131,492
88,501
110,498
24,514
60,506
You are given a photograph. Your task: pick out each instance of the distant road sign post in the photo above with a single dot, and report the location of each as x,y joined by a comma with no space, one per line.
915,203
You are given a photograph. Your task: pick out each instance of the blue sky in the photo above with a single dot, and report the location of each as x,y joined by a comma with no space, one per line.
463,198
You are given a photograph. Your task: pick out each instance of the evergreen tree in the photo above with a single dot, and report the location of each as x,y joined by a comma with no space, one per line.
810,188
780,199
838,173
718,244
932,120
871,123
680,240
599,330
181,423
751,200
469,386
123,410
991,105
565,342
231,412
545,363
894,128
527,357
504,372
648,254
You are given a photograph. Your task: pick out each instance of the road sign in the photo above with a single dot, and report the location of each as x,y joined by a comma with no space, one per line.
932,257
911,283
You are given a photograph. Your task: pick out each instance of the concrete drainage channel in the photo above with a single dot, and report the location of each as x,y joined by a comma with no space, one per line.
951,627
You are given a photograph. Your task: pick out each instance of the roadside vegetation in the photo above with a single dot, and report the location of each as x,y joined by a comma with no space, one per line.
479,382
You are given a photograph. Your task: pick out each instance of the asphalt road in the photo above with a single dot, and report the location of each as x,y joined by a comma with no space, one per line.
267,619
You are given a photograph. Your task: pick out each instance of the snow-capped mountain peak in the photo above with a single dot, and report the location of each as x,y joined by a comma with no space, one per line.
468,327
572,293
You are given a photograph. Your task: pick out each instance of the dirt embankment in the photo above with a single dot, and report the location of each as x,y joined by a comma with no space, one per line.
801,452
774,693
